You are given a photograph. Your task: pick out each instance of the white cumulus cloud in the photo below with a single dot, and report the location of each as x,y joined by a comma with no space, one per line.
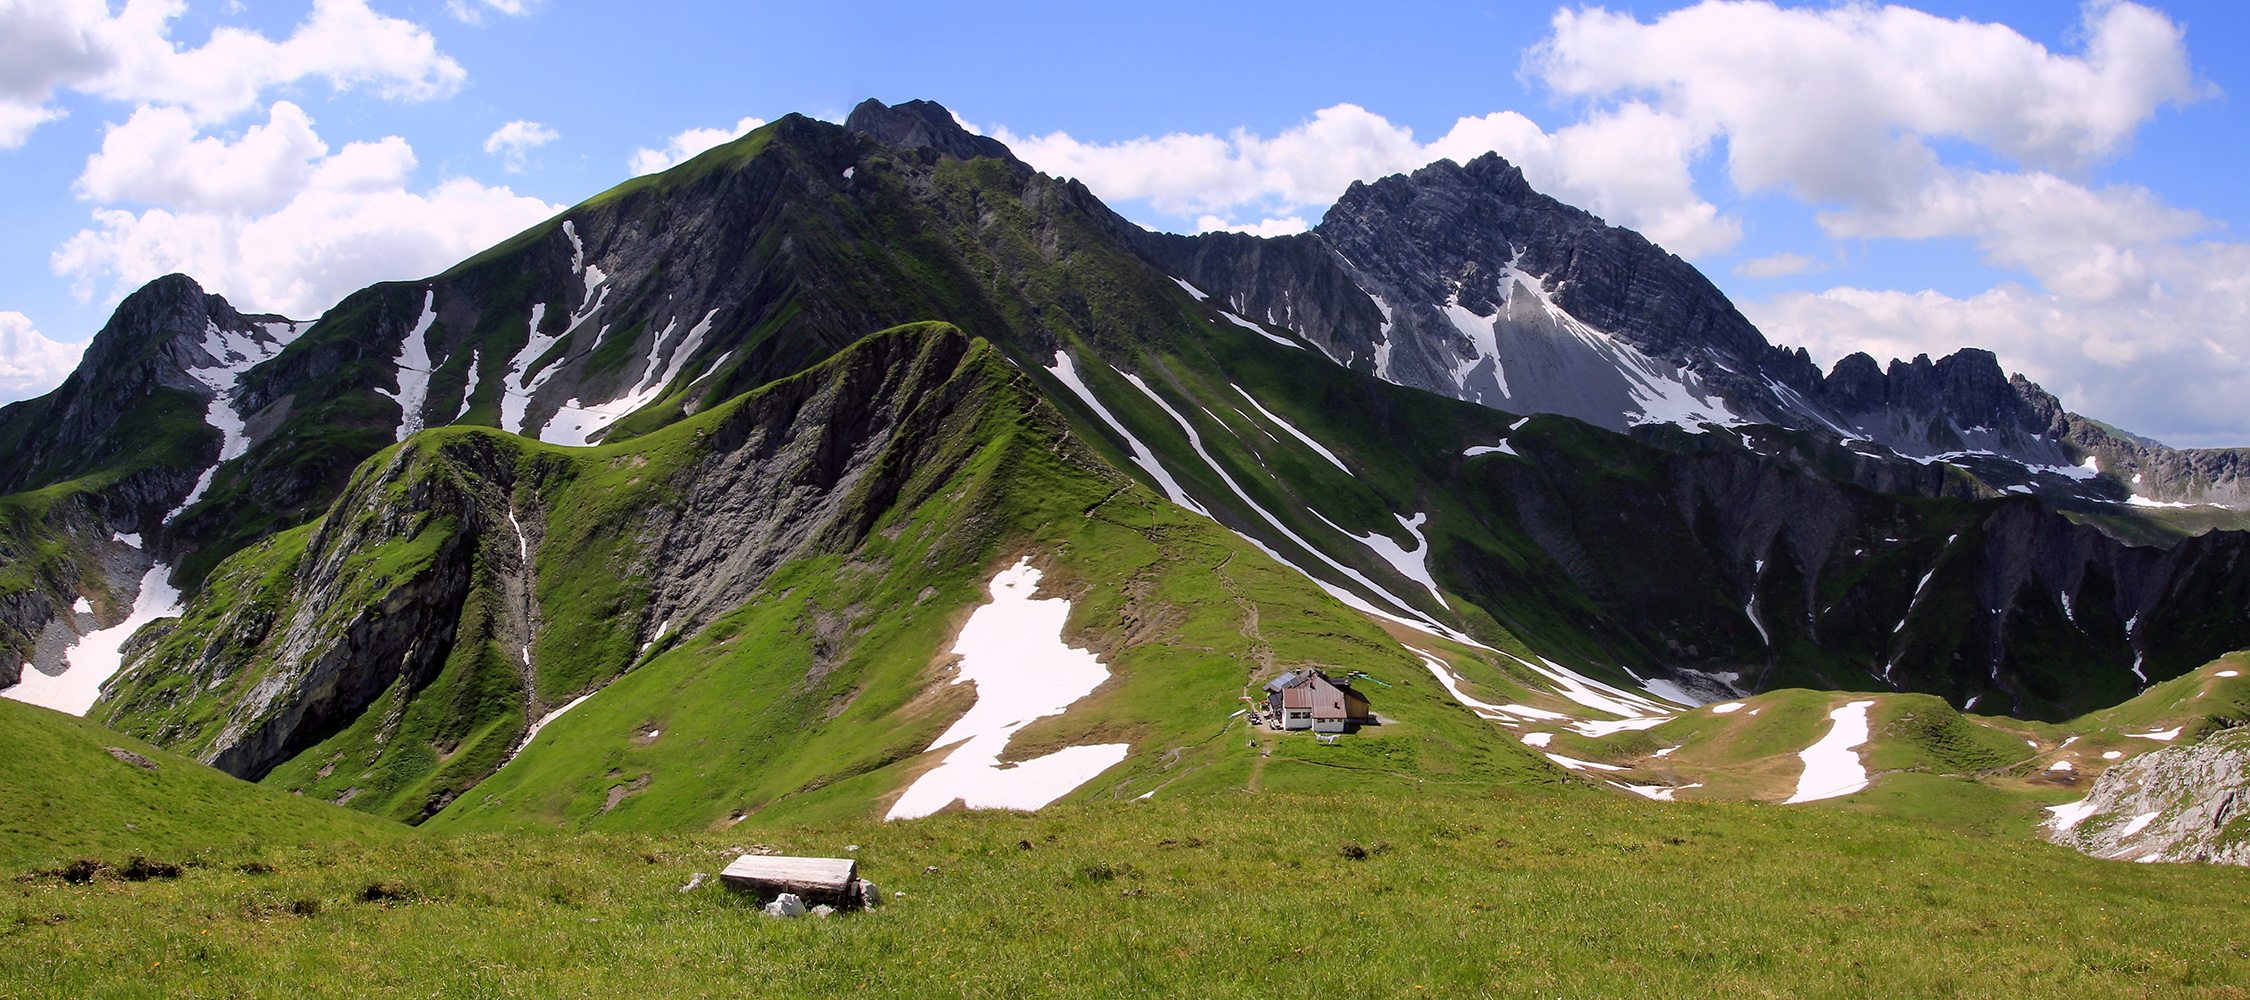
513,140
30,364
1778,265
684,146
46,45
276,224
1264,227
1627,164
473,11
1837,103
157,158
2128,310
2168,359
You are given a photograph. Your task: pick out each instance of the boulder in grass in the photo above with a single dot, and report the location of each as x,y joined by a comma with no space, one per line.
786,905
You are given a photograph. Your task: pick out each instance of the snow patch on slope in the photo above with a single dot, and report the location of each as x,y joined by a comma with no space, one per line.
1568,348
1140,454
1413,565
1292,429
1195,441
514,400
1261,331
413,364
98,655
469,389
234,354
1013,649
533,732
1832,768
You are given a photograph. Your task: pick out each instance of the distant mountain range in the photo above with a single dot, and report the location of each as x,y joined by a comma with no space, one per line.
723,456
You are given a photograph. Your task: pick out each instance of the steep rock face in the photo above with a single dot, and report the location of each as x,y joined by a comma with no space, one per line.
60,556
1726,563
346,639
1293,282
2148,469
2183,803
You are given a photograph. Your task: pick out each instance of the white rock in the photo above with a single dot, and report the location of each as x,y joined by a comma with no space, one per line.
786,905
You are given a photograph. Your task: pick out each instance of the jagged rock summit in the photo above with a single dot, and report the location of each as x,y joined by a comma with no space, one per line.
923,125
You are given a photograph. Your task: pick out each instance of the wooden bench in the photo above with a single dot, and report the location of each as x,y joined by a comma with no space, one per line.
834,881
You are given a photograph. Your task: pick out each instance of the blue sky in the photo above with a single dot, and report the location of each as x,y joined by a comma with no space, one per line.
2058,183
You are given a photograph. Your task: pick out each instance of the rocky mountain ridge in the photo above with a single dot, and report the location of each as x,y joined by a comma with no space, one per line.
1463,280
458,505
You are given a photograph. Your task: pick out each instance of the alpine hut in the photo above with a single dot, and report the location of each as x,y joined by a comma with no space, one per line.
1309,699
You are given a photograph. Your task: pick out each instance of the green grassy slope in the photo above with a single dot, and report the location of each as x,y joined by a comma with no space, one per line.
816,697
1489,895
66,796
1928,763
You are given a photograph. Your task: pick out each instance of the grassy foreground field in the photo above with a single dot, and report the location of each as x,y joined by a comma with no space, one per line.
1504,893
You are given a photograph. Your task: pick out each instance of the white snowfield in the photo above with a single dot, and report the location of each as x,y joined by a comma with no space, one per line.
1452,685
1262,331
469,388
413,364
1661,793
515,399
579,422
1292,429
1583,765
1660,392
1832,768
96,657
1413,565
1012,649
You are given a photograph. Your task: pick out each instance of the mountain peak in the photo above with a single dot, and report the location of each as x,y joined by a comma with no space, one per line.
923,124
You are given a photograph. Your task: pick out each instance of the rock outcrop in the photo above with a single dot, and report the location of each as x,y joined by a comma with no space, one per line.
2183,803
